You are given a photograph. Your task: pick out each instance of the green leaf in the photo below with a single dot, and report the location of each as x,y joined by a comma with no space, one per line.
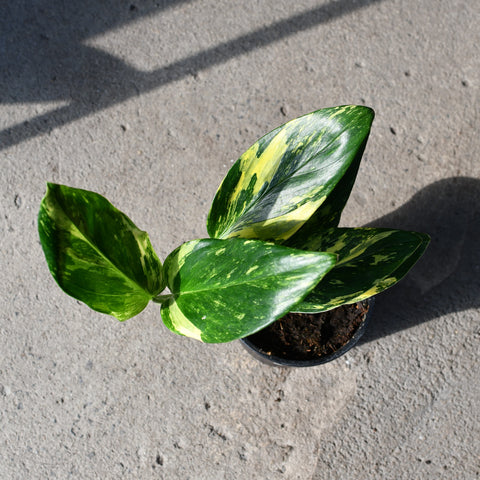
279,182
370,260
96,254
223,290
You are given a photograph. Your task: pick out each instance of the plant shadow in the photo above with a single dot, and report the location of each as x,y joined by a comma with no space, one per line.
447,278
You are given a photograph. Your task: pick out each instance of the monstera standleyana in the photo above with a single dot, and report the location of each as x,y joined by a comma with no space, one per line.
275,244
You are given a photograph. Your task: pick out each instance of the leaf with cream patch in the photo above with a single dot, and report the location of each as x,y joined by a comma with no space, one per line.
279,182
96,254
370,260
223,290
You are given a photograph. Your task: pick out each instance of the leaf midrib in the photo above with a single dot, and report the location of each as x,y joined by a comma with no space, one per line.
236,284
104,256
283,180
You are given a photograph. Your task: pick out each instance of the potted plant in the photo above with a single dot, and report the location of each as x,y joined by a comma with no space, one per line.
274,248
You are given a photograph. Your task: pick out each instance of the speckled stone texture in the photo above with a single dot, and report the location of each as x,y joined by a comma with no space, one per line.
149,103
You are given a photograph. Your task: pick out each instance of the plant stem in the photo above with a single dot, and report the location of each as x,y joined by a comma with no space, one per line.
162,298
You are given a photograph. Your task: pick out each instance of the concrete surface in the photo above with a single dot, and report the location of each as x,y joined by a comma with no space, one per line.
148,103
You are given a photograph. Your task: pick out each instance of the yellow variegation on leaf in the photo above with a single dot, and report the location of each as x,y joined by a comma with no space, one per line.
370,260
222,290
96,254
281,180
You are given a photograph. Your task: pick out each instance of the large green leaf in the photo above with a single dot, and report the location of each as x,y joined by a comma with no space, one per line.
96,254
279,182
370,260
227,289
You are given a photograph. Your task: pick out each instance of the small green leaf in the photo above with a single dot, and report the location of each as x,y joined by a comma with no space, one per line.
370,260
96,254
223,290
279,182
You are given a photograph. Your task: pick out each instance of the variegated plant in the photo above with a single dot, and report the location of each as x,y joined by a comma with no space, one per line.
275,244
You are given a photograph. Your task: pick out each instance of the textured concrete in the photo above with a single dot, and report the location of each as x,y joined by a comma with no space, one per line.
148,103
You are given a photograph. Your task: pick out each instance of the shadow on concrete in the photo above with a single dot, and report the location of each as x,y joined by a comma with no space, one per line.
43,57
447,277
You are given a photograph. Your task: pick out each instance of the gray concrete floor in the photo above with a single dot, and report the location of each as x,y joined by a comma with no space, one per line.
148,103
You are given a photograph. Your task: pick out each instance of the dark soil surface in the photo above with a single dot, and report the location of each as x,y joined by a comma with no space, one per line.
305,336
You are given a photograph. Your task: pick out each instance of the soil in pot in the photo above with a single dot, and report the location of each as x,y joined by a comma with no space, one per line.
305,336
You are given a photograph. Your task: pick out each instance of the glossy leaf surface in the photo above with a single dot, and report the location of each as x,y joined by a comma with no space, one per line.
279,182
96,254
223,290
329,212
370,260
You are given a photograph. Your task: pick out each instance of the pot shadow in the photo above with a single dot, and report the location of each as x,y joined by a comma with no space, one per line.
447,278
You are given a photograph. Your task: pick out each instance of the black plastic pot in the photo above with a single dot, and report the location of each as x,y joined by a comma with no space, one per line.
257,352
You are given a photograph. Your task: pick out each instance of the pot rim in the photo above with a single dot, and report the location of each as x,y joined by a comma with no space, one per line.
286,362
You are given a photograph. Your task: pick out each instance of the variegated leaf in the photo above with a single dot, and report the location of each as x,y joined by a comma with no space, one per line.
223,290
279,182
370,260
96,254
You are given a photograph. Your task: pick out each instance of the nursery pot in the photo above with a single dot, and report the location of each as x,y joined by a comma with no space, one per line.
306,340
